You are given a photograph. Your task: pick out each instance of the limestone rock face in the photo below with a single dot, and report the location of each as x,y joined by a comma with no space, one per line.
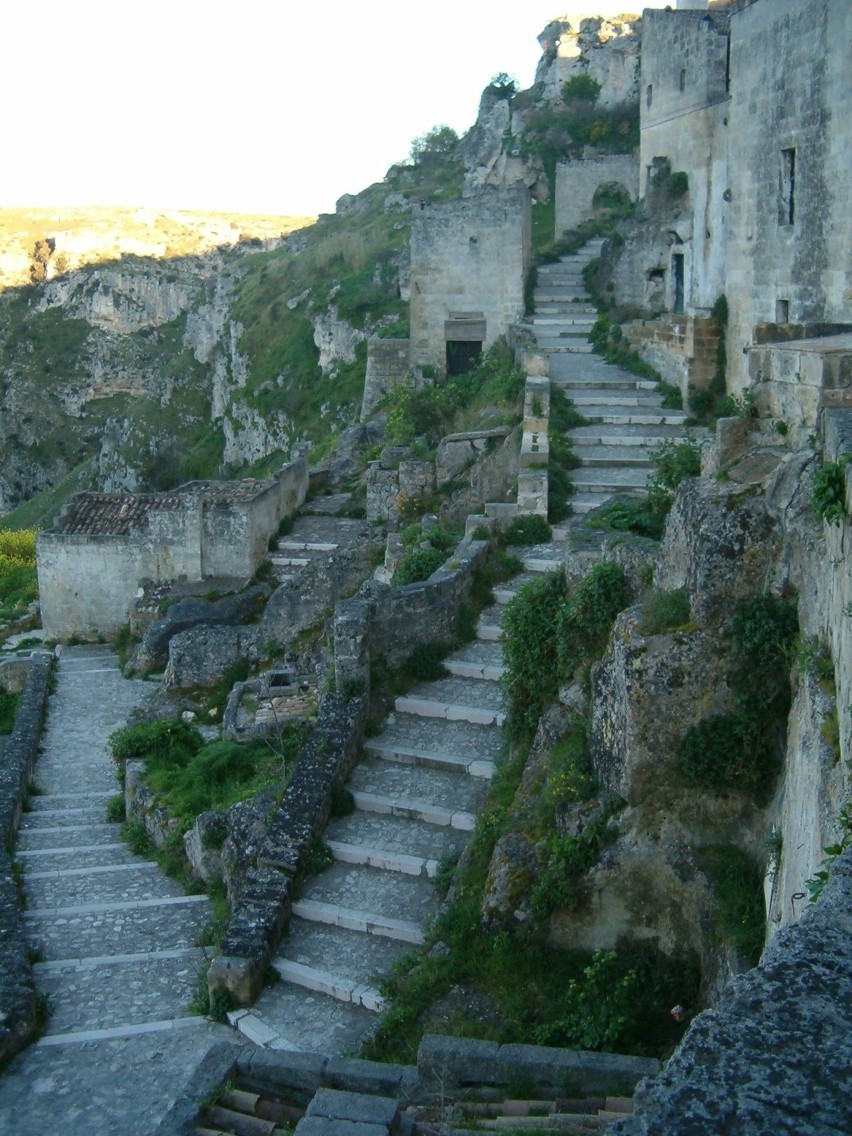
750,1064
720,544
200,656
646,692
335,339
511,876
605,49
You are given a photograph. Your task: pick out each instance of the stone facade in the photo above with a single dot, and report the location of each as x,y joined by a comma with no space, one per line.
469,260
750,100
791,102
90,565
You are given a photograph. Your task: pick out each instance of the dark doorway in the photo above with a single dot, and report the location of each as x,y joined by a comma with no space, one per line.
462,356
677,265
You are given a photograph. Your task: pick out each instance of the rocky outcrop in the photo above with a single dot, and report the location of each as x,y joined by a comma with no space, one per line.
769,1056
153,652
605,49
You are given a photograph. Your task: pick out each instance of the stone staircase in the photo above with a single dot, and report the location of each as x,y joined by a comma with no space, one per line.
416,794
115,942
626,418
312,538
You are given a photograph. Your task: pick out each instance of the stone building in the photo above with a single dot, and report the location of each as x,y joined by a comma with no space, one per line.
749,102
469,261
92,562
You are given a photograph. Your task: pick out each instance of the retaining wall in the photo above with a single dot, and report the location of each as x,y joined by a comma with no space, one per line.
18,1005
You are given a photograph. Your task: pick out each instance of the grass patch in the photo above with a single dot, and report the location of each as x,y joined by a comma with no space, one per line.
665,611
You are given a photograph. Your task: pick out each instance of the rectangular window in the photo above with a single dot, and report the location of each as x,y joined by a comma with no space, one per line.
782,311
683,78
787,194
649,94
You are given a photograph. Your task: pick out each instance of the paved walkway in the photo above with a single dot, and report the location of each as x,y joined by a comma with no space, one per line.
114,938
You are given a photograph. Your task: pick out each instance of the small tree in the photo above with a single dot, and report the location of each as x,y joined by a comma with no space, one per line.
502,85
438,142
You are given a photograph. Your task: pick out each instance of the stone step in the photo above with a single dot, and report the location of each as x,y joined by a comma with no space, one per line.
119,883
646,401
412,739
600,479
366,922
332,985
607,416
395,834
625,456
59,820
290,545
438,786
559,346
290,1017
347,853
123,1030
67,836
623,434
81,856
360,887
569,320
585,502
601,382
47,802
87,994
465,699
95,929
415,810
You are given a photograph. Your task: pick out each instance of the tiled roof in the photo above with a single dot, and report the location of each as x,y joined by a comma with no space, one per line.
112,513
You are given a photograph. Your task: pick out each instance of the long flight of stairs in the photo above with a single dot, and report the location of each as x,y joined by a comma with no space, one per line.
416,794
626,419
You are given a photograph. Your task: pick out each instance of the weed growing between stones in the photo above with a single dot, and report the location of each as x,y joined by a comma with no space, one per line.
665,611
318,857
816,884
526,530
608,340
828,494
115,811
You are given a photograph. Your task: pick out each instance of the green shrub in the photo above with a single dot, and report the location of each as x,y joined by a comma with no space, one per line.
633,515
563,414
582,87
723,752
828,494
526,530
419,564
672,398
737,882
762,637
674,462
664,611
584,621
425,663
529,651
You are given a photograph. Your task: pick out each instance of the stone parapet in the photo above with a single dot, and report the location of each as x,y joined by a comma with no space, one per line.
18,1002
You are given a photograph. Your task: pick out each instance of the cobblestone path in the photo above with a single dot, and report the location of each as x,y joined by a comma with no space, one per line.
115,939
416,795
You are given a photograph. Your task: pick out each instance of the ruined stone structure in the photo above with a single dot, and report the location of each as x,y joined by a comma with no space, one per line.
388,362
91,563
469,260
578,182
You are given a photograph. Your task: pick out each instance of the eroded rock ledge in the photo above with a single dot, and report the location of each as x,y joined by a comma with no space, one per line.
775,1054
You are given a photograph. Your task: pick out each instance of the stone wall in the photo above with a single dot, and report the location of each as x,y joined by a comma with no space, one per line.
681,347
388,362
18,1003
577,181
367,626
790,92
792,382
87,584
468,258
260,912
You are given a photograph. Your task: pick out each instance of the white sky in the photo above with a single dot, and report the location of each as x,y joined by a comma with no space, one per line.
276,106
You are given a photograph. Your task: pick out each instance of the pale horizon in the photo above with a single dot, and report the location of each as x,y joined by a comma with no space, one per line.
179,106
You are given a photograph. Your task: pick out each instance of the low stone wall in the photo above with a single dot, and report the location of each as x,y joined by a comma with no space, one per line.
18,1017
368,625
681,347
260,912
